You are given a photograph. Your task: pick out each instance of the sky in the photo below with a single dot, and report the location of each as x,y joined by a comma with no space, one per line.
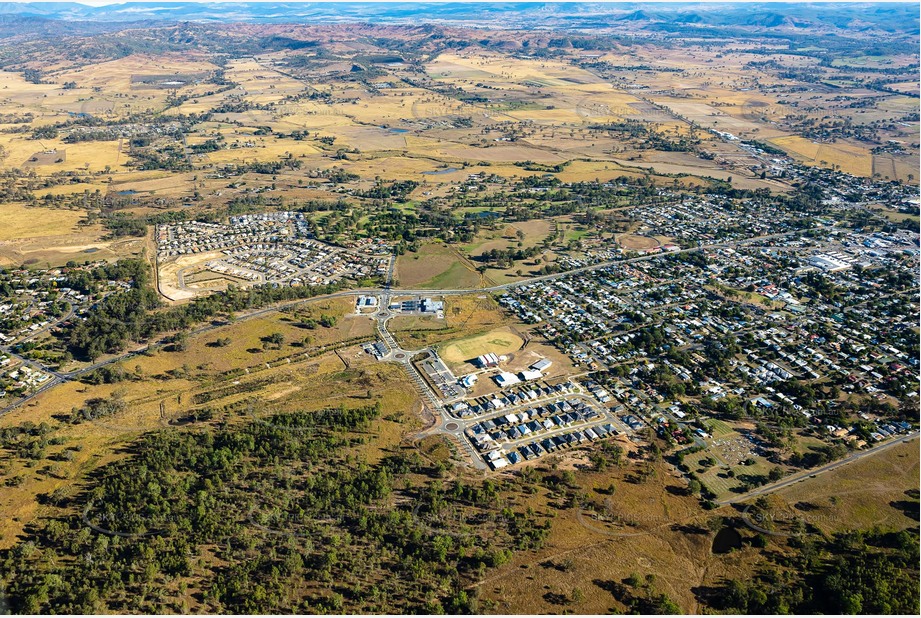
105,2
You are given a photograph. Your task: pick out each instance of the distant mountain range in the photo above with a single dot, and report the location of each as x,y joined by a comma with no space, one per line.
897,18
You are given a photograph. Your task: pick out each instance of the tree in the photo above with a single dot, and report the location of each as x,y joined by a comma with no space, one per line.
275,339
180,341
328,321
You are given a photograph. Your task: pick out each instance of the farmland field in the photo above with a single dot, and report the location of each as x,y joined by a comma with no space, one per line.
851,158
18,222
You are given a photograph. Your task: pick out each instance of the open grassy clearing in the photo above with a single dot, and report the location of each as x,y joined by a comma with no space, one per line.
652,527
249,348
894,215
535,231
404,323
56,251
49,155
18,221
587,171
861,495
873,61
74,188
434,266
526,233
905,86
458,276
719,429
661,531
898,167
575,232
105,88
50,237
